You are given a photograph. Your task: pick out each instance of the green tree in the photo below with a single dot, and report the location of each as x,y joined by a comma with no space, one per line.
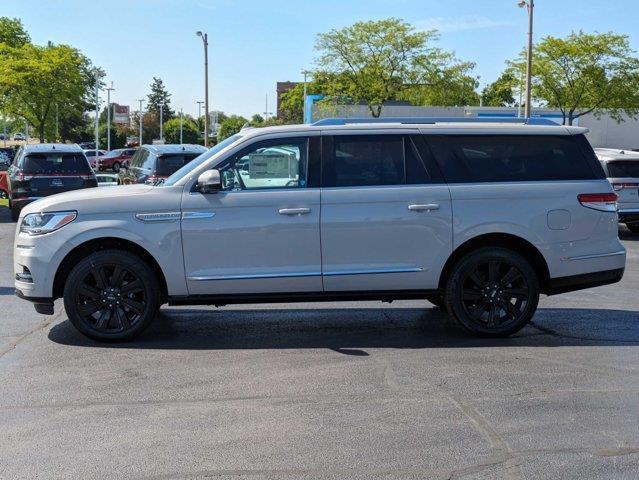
12,32
190,131
585,73
230,126
376,61
118,136
34,79
500,92
159,96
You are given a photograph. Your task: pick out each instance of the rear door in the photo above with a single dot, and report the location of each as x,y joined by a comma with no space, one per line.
55,172
386,214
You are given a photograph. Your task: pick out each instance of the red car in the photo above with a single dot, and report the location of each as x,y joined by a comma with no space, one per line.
114,160
4,187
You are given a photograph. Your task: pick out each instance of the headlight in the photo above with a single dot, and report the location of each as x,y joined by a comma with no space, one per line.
41,223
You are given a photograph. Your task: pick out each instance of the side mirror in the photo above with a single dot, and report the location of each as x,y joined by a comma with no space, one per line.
210,182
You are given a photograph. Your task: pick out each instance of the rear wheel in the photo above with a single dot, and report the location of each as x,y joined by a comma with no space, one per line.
116,167
111,295
3,195
492,292
633,227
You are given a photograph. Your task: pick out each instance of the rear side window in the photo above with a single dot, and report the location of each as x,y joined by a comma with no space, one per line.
513,158
624,168
169,164
372,160
70,163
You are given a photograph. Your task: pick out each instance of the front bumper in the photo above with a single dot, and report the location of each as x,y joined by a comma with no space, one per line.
42,305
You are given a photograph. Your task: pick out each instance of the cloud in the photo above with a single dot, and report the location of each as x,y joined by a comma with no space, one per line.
458,24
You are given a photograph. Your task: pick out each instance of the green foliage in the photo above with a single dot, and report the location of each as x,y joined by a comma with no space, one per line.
376,61
230,126
118,136
190,131
292,102
585,73
12,32
500,92
159,96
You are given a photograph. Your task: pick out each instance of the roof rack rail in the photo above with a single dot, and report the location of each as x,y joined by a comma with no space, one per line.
434,120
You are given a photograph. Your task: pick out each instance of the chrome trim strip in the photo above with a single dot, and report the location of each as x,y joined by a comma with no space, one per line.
197,215
254,277
373,272
158,217
629,210
596,255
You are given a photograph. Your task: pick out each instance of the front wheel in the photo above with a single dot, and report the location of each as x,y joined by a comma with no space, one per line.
492,292
116,167
111,295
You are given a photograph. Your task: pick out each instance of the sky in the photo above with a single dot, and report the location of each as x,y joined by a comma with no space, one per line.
255,43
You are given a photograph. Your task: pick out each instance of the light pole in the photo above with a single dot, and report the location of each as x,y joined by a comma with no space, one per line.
530,6
141,114
305,73
109,89
199,113
181,127
266,112
161,121
205,41
97,112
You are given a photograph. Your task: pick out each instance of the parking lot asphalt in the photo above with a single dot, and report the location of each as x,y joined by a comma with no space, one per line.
336,390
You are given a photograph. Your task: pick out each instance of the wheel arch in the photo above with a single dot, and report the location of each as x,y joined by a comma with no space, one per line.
503,240
105,243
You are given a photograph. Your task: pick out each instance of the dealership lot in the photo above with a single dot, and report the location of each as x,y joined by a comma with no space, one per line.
349,390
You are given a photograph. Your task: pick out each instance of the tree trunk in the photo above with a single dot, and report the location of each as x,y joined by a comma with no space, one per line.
41,130
376,110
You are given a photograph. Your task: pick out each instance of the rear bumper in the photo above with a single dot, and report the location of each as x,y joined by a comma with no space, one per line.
580,282
629,215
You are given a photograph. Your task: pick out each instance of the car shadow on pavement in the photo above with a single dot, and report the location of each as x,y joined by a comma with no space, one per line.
352,330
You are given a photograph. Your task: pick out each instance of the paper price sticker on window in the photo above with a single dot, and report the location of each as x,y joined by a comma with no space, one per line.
272,165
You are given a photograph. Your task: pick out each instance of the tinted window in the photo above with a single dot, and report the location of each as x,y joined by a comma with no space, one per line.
623,169
169,164
55,163
511,158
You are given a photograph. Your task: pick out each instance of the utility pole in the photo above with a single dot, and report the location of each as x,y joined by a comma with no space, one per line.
161,122
141,114
266,112
530,6
97,113
109,90
205,41
181,127
305,72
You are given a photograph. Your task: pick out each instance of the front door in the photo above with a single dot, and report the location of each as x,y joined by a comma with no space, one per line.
260,234
386,214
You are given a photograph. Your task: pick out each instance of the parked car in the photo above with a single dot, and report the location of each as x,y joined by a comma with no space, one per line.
10,152
87,145
477,217
5,136
91,154
622,170
107,179
153,163
113,160
45,169
4,187
5,161
19,137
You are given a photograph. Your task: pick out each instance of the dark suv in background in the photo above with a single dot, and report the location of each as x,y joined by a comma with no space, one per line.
152,163
46,169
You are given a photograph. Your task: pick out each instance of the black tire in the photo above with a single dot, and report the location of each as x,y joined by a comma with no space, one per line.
437,300
116,167
3,195
15,213
111,296
492,292
633,227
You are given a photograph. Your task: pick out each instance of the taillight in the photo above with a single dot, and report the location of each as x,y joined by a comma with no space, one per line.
87,177
621,186
21,177
604,202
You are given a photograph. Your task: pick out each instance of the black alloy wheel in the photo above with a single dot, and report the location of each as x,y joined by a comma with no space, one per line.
492,292
111,295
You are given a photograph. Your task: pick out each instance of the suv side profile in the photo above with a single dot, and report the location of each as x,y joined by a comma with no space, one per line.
153,163
479,218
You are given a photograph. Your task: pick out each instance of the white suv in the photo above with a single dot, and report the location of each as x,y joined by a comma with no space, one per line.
477,217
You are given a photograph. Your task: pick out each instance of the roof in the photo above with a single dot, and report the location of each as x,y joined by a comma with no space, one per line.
175,148
51,147
616,154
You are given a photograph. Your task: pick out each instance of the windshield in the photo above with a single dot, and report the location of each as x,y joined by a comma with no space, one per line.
113,153
189,167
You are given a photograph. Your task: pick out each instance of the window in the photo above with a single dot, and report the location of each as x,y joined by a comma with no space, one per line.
169,164
55,163
279,163
512,158
139,157
374,160
624,168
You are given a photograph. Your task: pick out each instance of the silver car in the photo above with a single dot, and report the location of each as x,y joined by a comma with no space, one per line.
479,218
622,170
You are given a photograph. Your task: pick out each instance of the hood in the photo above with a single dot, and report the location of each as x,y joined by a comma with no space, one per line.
100,200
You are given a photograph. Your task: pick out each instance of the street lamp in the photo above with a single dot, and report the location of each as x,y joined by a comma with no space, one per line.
305,73
205,41
98,77
530,6
109,90
141,115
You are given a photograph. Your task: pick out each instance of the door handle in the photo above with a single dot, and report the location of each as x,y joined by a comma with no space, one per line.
424,207
294,211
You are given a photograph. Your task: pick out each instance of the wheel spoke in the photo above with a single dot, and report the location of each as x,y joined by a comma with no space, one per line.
87,309
118,276
137,307
122,318
476,278
493,271
89,291
512,275
518,293
100,277
133,287
510,309
103,321
472,295
477,312
493,316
